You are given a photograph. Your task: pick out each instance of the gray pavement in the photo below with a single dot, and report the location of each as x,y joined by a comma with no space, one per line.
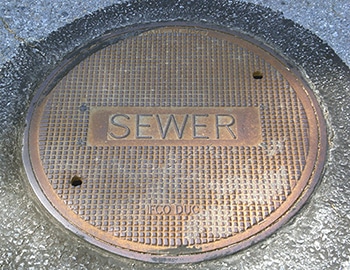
32,20
317,238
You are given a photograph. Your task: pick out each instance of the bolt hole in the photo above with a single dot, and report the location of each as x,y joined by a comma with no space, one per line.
257,75
76,181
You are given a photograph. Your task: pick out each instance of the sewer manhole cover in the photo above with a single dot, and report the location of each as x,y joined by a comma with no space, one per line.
174,143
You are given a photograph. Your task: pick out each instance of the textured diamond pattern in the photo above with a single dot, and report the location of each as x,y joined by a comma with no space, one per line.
173,196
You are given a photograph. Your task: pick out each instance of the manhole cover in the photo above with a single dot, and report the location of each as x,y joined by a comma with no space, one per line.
174,143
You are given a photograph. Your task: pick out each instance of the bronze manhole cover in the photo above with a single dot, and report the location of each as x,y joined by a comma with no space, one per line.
174,143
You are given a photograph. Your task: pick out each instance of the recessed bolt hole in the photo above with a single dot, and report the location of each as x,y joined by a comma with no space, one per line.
76,181
257,75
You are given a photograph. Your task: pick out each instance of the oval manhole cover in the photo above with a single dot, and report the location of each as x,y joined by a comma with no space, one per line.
174,143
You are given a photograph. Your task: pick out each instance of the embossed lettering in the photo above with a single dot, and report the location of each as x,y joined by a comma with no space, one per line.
239,126
139,118
164,130
172,209
220,123
196,125
114,121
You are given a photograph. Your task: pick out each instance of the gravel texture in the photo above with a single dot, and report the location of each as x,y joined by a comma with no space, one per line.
31,20
317,238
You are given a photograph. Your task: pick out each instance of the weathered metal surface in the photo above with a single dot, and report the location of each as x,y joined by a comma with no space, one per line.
176,144
174,126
